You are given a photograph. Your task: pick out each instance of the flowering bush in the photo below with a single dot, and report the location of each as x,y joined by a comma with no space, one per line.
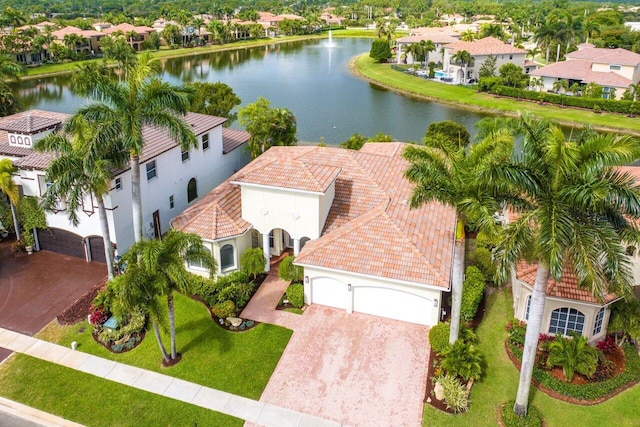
97,316
606,345
516,329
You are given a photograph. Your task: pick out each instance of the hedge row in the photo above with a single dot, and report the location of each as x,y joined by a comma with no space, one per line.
596,104
472,292
591,391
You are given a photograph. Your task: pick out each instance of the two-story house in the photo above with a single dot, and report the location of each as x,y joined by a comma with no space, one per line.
613,69
345,215
142,34
171,179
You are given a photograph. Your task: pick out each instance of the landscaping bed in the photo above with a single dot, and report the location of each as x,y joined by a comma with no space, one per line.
79,310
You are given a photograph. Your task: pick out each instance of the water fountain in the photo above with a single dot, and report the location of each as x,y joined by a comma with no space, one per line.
330,42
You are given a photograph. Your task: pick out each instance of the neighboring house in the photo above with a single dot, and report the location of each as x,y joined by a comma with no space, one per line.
567,308
440,37
345,215
90,44
613,69
269,21
171,179
142,34
480,50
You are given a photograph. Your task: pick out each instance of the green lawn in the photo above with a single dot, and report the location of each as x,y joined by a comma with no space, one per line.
501,383
238,363
467,97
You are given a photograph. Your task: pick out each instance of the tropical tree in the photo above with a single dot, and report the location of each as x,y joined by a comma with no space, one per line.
80,168
9,71
468,36
426,47
492,30
124,108
163,262
415,49
574,210
267,126
445,171
215,99
634,89
544,36
561,85
116,48
10,189
463,59
73,41
573,355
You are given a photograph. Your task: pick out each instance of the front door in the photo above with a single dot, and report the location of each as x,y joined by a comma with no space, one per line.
156,225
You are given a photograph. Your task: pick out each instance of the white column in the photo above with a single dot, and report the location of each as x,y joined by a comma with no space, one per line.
296,247
265,248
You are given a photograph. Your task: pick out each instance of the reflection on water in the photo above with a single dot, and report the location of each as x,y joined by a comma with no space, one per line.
307,77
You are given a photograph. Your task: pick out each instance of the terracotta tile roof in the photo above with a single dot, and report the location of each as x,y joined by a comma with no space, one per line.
580,69
30,124
59,34
370,229
485,46
439,38
34,160
617,56
125,28
233,138
567,288
433,31
42,116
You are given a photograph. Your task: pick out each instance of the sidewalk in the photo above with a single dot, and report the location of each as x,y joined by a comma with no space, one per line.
256,412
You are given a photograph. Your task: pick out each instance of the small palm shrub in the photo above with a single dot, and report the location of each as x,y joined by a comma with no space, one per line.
573,355
290,272
252,261
295,295
472,292
455,394
439,337
463,360
511,419
224,309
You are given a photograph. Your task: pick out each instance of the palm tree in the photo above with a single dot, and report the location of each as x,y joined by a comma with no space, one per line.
427,47
415,49
9,71
574,355
574,207
591,27
445,171
468,36
10,189
462,58
198,23
163,263
81,168
73,41
634,89
544,36
124,108
532,53
561,85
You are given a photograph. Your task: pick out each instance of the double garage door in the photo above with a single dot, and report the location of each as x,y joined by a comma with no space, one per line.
383,302
71,244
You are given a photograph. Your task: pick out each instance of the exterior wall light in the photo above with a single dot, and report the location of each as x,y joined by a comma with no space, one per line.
435,302
349,287
306,279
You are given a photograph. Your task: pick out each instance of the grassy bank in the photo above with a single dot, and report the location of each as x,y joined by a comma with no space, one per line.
469,98
501,383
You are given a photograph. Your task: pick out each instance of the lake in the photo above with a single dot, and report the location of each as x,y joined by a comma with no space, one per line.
308,77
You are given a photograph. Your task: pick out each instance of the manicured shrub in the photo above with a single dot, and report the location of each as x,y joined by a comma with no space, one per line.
605,370
472,292
463,360
484,262
252,261
573,355
439,337
238,292
455,394
606,345
517,330
295,295
380,50
205,288
290,272
511,419
224,309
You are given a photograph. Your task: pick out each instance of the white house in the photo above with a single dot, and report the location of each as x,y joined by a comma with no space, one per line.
345,215
171,179
613,69
440,36
480,50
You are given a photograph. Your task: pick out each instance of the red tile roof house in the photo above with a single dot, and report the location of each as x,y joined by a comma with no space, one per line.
171,180
90,44
143,34
613,69
440,36
480,50
345,215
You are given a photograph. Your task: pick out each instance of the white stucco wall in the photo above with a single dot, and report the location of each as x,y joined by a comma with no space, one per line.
268,208
626,71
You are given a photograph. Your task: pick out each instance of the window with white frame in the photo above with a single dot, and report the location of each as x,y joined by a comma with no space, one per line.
615,67
566,320
597,325
151,170
197,264
227,258
185,155
528,308
118,184
171,203
205,142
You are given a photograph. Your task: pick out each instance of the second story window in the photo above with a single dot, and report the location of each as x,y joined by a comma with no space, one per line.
151,170
118,184
185,156
205,142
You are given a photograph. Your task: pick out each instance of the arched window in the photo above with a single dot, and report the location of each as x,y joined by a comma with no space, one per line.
192,190
227,260
597,325
526,312
198,264
565,320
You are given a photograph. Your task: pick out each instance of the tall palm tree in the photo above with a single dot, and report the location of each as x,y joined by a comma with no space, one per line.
124,108
427,47
544,36
9,71
163,262
590,27
81,168
462,58
574,209
561,85
634,89
73,42
415,49
10,189
468,36
445,171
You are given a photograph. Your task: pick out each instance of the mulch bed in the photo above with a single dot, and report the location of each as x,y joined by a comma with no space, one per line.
141,335
79,310
617,357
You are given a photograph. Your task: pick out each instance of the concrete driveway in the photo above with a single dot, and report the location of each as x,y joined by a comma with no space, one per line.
355,369
34,289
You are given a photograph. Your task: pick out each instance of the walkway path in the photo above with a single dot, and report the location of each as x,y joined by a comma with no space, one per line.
260,413
262,306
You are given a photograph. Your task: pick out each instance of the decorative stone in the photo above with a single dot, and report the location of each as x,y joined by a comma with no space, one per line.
235,321
439,391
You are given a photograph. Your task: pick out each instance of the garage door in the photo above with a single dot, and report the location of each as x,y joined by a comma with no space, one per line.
394,305
62,242
331,292
97,249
